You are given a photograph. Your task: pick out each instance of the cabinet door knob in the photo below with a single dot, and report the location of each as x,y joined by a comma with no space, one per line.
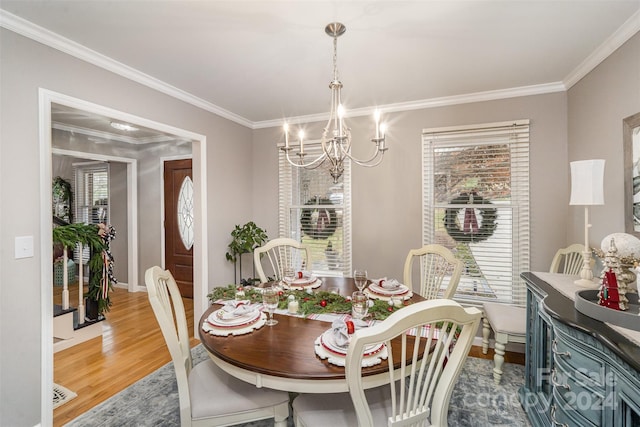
554,348
553,418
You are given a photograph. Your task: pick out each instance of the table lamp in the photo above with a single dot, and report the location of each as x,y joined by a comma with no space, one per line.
587,189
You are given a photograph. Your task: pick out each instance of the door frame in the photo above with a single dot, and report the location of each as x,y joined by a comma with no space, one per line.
47,97
132,209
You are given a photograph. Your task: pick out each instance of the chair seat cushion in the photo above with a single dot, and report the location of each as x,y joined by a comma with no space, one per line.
506,319
337,409
213,392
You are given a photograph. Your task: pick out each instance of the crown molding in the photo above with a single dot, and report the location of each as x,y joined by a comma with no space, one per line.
617,39
28,29
51,39
444,101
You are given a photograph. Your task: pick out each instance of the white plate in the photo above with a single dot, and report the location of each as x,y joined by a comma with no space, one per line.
400,290
307,279
243,320
327,340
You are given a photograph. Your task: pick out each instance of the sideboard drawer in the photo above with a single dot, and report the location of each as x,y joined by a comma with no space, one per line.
583,365
577,401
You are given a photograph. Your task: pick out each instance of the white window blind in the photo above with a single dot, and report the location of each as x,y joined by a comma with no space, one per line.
317,212
476,203
91,197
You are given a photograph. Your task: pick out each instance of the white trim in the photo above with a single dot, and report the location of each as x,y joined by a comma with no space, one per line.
46,274
163,160
617,39
70,47
132,206
46,98
444,101
53,40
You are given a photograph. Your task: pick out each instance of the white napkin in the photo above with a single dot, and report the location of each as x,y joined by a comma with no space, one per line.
340,334
387,283
236,308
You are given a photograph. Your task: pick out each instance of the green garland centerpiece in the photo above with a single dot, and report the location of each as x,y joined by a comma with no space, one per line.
319,302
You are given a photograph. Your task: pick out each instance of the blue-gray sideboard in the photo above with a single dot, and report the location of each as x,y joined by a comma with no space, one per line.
579,371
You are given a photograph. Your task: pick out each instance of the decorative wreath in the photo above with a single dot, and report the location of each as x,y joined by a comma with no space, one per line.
470,232
316,222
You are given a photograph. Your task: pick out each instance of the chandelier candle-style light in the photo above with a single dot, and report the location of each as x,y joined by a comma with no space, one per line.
336,137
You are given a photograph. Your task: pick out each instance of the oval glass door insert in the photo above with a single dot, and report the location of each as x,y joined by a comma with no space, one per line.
185,213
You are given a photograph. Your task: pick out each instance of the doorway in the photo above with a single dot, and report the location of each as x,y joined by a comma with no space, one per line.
47,99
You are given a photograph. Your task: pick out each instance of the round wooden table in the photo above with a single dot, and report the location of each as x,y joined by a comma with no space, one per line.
282,357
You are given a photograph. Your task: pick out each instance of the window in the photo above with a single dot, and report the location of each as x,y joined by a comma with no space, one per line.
476,203
91,197
91,193
317,212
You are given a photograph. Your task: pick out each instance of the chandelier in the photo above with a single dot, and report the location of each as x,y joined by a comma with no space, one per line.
336,136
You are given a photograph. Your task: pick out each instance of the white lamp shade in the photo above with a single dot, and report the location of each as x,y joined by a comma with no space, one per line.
587,182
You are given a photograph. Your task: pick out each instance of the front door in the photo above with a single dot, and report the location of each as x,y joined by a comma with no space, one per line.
178,223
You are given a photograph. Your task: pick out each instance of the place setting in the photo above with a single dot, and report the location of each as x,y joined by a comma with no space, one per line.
388,290
299,280
333,344
235,317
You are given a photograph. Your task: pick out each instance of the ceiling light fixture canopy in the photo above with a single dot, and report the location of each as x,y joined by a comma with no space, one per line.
123,126
336,137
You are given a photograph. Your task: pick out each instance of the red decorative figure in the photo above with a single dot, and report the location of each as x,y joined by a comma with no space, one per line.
609,295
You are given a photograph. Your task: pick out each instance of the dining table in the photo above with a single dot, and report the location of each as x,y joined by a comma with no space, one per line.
282,357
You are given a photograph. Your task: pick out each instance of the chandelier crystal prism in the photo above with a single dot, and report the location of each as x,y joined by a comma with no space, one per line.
336,136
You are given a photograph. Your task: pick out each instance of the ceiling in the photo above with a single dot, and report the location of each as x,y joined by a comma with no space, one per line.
257,62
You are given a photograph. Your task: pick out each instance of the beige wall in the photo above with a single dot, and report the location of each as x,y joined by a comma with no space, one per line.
387,200
26,66
597,105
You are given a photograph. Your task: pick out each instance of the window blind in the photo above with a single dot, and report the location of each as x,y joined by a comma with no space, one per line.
91,196
476,203
317,212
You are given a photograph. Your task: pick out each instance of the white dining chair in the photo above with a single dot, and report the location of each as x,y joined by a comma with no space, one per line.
208,396
279,254
418,392
438,265
568,260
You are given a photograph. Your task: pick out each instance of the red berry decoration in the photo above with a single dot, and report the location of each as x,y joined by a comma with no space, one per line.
306,299
280,293
389,308
323,303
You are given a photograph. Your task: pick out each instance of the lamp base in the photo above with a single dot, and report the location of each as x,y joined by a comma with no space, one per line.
586,283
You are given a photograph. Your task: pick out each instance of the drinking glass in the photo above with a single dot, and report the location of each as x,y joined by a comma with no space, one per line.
270,300
359,305
289,274
360,277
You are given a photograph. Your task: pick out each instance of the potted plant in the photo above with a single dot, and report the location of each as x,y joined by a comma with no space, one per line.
244,240
96,237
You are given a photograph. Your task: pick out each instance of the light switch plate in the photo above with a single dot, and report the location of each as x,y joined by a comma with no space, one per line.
24,247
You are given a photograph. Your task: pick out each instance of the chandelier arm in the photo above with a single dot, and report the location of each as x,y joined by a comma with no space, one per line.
368,164
319,160
347,153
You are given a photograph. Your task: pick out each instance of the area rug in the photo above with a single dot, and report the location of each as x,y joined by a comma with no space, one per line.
61,395
476,401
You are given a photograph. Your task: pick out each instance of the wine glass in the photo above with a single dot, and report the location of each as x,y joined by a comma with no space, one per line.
359,305
270,300
360,277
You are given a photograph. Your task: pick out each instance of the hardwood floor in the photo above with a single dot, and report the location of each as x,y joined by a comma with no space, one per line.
131,348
